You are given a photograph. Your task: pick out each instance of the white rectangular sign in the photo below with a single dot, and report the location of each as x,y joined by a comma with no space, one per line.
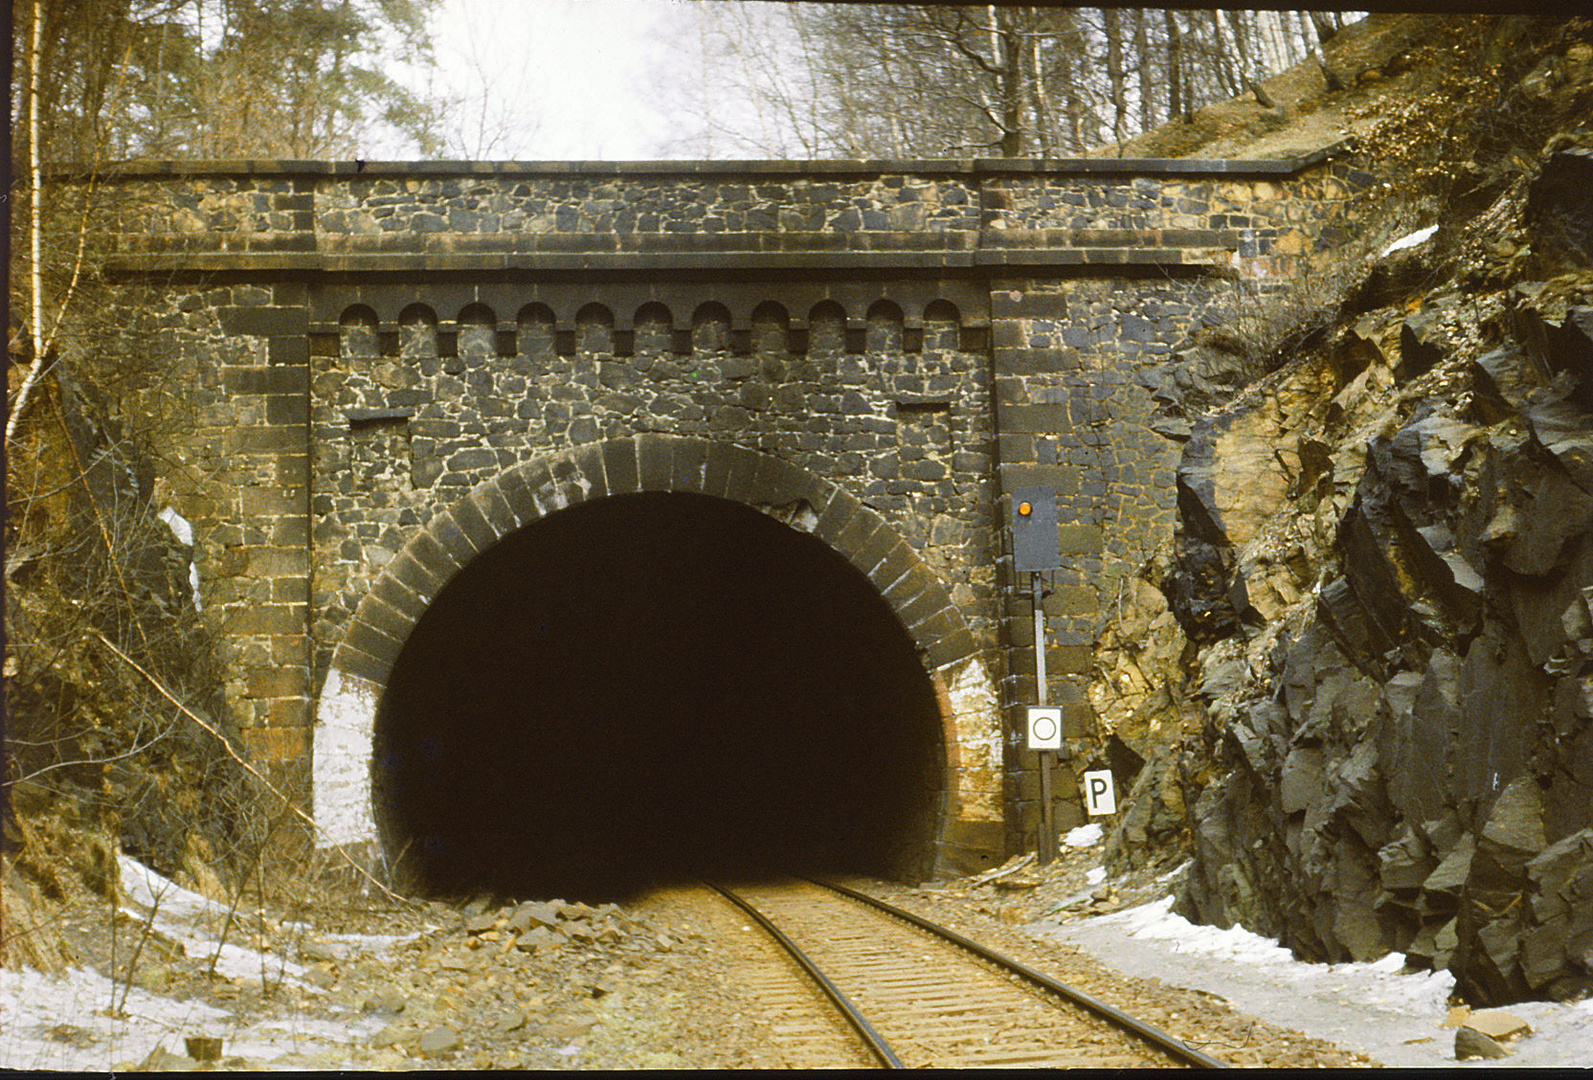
1099,798
1045,728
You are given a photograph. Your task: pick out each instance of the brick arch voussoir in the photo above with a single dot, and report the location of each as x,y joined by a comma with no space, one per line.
649,462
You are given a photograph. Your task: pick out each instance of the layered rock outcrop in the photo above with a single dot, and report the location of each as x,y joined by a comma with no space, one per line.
1383,578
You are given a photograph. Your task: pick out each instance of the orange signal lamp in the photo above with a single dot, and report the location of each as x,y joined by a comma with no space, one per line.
1024,509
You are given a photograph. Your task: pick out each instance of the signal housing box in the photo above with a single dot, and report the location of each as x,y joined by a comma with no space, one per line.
1034,535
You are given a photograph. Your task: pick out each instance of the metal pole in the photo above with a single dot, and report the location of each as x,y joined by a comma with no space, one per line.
1045,848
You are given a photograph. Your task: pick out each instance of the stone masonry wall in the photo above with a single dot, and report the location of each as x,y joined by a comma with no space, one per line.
403,434
370,340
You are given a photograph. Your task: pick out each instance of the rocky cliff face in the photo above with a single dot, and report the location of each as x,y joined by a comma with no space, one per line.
1363,676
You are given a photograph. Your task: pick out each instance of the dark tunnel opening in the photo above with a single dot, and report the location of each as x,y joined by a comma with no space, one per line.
648,688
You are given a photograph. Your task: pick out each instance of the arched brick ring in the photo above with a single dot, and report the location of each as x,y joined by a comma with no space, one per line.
653,462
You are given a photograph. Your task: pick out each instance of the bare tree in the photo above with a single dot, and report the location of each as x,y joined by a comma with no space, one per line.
903,80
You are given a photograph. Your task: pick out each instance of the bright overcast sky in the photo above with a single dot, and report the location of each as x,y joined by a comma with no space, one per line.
570,78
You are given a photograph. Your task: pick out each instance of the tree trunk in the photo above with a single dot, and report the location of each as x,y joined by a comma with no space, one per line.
1143,71
1114,74
1009,62
35,228
1175,62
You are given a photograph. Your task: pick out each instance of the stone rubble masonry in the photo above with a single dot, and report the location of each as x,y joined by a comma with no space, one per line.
393,364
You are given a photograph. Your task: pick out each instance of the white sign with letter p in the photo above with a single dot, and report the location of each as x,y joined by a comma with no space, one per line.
1099,798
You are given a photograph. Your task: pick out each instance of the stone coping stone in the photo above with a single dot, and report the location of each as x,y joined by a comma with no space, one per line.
933,166
741,261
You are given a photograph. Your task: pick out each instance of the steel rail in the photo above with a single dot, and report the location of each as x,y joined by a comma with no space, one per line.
1113,1015
854,1016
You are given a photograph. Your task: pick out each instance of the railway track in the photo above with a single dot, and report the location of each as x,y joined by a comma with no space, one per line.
920,995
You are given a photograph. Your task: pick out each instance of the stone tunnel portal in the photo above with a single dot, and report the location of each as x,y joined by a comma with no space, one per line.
649,687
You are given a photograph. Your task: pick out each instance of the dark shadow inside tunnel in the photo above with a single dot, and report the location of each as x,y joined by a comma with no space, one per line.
653,687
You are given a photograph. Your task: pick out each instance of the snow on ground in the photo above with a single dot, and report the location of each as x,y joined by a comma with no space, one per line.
196,922
1085,835
67,1022
1409,240
1372,1007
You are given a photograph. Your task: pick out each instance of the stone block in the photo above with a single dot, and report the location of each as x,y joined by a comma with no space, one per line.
259,502
398,596
1074,539
467,515
265,321
952,646
1063,478
265,380
589,465
267,619
516,490
420,577
837,514
621,467
776,483
445,531
1065,600
287,409
389,621
426,550
276,682
274,562
372,642
494,509
897,561
272,439
277,743
1068,659
688,465
654,459
1033,418
360,664
868,541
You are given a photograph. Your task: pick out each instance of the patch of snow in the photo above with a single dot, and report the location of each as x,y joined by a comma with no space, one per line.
1096,876
179,525
64,1022
183,530
1375,1008
1409,240
77,1004
1084,836
196,921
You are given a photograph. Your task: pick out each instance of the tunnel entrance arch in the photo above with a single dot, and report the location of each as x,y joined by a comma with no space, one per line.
967,796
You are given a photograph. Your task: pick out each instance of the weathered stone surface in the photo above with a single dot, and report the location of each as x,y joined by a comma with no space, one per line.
1471,1044
1401,756
1560,210
439,1040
